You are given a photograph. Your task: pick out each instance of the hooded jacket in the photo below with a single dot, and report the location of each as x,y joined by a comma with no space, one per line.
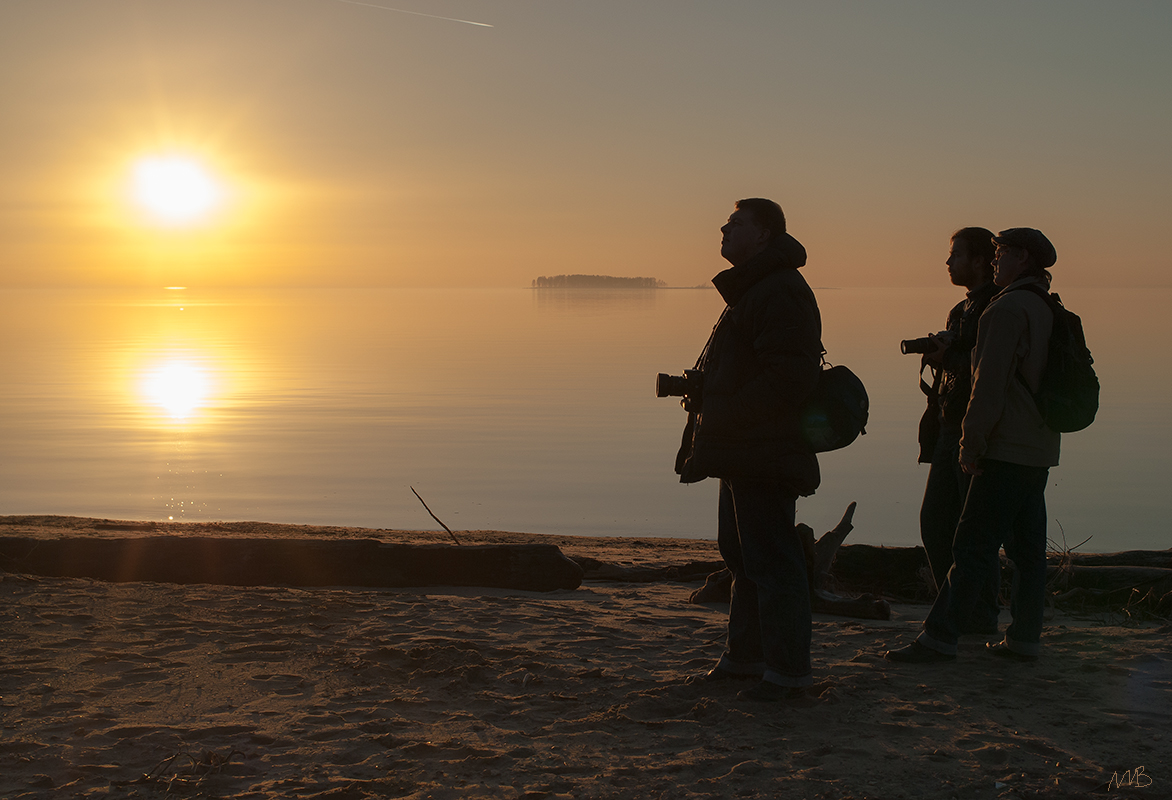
760,366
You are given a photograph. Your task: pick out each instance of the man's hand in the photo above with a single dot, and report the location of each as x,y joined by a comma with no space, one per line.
936,357
969,465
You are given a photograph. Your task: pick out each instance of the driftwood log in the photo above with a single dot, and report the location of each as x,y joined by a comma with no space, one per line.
1062,577
1131,580
1158,559
292,562
602,571
902,572
1134,581
820,559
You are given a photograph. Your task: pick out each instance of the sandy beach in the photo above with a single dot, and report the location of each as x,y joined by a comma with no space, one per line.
161,690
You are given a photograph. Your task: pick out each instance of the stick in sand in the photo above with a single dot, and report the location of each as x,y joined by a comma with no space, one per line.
433,516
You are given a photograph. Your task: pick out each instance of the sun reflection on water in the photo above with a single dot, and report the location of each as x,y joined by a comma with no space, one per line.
178,386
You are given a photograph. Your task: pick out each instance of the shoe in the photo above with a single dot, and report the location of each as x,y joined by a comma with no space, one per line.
1002,650
720,674
916,653
769,692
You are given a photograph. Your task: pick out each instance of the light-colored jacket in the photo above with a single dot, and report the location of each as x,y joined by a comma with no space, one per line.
1002,421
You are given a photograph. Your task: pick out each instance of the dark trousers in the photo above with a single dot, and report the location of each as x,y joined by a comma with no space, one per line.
1006,504
769,619
944,497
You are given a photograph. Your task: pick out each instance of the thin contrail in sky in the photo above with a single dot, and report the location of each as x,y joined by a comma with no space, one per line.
416,13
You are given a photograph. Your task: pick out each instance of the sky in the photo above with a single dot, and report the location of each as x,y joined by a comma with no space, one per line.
359,146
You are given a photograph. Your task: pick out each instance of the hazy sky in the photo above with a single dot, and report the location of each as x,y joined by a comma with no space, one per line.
364,146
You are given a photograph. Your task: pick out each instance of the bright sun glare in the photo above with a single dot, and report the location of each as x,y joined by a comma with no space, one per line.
175,189
178,387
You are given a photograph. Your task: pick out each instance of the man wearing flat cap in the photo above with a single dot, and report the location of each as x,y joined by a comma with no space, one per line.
1007,448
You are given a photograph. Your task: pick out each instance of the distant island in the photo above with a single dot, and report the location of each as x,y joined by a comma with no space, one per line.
596,282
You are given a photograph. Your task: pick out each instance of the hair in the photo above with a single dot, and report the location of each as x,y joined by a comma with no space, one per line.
1032,268
978,242
765,213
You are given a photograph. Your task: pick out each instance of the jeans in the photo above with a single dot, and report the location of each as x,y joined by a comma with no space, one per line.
944,497
769,620
1006,504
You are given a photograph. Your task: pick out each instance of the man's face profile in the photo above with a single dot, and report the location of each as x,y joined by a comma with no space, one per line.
1008,264
742,238
964,268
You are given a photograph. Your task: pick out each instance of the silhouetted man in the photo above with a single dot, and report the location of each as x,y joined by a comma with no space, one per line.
759,367
970,264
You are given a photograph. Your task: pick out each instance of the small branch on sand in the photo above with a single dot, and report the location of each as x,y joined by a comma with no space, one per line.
433,516
165,772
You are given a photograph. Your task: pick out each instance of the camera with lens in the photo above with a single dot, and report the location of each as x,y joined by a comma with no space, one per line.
687,385
926,344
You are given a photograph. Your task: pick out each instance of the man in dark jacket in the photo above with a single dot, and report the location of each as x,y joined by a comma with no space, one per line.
759,367
970,264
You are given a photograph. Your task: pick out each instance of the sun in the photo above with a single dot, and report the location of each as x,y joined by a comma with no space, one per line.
175,190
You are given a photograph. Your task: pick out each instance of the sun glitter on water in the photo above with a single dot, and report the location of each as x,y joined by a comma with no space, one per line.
175,190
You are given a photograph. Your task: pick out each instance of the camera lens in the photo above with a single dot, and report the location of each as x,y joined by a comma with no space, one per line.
670,385
662,385
917,346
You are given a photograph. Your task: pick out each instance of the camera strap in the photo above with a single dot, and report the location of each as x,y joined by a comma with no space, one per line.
932,390
703,358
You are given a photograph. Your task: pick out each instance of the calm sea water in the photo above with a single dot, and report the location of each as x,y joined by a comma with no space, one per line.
526,410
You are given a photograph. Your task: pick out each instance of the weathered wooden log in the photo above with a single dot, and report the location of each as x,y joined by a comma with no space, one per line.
1109,578
827,546
1124,599
596,570
1158,559
820,556
897,572
900,571
717,588
865,606
292,562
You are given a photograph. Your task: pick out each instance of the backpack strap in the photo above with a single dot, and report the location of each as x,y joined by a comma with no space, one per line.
1054,304
1033,288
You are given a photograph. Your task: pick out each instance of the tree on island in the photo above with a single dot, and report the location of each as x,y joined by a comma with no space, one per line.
596,282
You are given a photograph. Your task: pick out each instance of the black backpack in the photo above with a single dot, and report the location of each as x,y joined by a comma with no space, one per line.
836,413
1068,394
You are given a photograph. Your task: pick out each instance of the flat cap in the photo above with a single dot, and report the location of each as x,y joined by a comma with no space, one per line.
1032,240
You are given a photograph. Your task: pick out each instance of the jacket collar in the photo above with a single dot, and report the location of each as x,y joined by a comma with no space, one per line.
1028,279
987,289
784,252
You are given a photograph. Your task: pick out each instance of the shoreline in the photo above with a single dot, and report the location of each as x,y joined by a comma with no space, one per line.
136,689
